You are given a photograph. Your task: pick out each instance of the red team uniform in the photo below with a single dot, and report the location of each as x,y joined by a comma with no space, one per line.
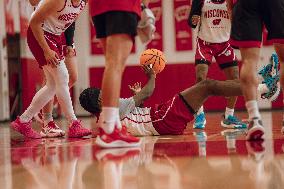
54,28
213,35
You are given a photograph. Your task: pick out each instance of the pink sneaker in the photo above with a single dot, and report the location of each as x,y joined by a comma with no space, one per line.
76,130
25,128
116,139
51,130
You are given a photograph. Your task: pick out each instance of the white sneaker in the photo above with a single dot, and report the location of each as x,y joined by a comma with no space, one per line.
255,130
51,130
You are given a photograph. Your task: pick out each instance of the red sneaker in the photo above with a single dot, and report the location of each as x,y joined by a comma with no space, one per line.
76,130
25,128
118,138
51,130
255,130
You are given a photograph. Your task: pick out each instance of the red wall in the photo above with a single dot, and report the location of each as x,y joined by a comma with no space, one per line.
31,80
172,80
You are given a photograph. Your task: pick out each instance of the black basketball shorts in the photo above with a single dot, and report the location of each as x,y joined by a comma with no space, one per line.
249,16
115,22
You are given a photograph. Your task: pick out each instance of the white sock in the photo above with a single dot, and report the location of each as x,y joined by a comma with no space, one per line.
252,108
24,118
262,88
61,79
201,110
228,112
47,117
108,117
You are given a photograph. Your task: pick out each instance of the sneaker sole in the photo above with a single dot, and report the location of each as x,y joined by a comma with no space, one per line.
116,144
231,126
79,136
43,135
255,133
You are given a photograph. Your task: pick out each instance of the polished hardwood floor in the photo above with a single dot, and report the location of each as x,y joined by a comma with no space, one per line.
215,158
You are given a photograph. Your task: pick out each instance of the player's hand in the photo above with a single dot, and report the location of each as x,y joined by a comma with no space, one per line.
149,71
51,57
70,52
136,88
195,19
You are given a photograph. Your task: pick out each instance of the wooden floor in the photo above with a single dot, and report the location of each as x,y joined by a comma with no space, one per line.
213,159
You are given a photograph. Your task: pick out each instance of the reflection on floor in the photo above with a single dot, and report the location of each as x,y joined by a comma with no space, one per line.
214,158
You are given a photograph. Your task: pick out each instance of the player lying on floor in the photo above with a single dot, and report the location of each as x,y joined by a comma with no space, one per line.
170,117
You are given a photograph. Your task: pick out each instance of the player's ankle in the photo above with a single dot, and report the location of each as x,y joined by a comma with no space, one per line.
109,116
252,109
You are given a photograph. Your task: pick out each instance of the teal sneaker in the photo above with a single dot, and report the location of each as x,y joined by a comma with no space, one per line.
271,68
200,121
273,85
233,122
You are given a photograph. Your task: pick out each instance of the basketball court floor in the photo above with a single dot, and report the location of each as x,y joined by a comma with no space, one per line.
214,158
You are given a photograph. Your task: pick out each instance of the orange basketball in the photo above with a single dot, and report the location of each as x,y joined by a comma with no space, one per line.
155,58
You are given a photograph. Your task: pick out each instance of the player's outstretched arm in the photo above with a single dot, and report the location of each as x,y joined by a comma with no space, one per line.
148,89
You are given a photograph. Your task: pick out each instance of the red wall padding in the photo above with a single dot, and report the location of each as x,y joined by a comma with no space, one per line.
172,80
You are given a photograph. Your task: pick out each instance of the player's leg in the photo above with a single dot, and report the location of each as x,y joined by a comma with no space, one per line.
116,31
203,58
201,71
246,33
227,61
72,70
61,77
196,95
23,123
50,128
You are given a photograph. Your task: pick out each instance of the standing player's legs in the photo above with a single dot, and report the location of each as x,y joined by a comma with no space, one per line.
116,30
61,77
246,34
226,58
50,129
117,50
203,59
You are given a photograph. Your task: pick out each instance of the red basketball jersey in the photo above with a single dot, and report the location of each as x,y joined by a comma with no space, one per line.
101,6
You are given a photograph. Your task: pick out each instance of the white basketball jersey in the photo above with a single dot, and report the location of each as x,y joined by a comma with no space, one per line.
215,23
62,19
137,120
